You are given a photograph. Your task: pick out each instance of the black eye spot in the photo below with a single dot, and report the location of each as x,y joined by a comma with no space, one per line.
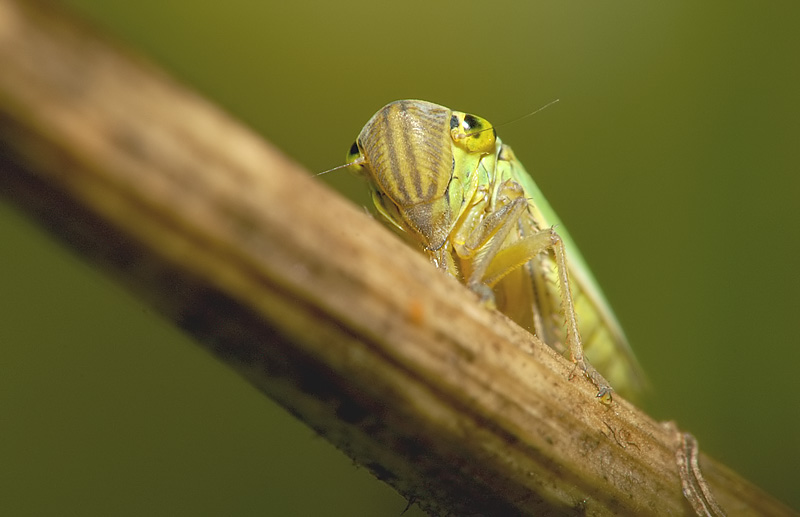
471,122
354,148
453,122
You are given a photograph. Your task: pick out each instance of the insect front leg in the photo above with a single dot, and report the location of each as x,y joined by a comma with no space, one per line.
480,244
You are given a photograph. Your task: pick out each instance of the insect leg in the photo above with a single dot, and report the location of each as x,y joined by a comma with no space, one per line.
483,243
517,254
491,262
605,391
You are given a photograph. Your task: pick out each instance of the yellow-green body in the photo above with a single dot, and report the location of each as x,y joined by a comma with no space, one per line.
446,183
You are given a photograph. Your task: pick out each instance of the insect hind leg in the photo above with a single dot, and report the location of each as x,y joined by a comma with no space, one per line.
522,251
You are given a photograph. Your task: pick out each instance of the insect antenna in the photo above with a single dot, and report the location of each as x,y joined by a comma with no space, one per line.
532,113
357,161
515,120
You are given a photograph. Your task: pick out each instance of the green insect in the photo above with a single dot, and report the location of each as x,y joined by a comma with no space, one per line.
445,182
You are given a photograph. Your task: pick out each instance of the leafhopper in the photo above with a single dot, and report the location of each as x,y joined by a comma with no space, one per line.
449,186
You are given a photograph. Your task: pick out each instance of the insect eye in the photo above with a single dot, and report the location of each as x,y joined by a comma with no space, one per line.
473,133
353,153
355,158
472,122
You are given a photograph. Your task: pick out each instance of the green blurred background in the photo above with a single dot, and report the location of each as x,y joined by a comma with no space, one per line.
672,157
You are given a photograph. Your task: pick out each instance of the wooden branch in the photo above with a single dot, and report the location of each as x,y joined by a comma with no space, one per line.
311,300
